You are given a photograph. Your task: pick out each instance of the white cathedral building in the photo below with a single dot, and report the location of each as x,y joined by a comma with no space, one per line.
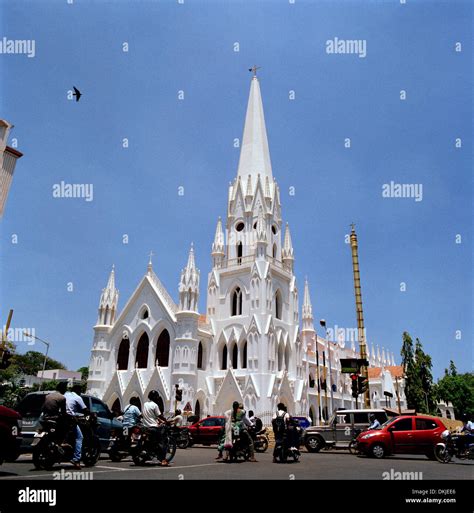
249,345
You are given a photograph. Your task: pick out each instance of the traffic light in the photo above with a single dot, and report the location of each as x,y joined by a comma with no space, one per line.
355,390
362,384
5,358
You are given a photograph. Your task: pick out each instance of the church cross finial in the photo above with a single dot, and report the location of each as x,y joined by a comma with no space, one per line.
352,225
151,256
254,69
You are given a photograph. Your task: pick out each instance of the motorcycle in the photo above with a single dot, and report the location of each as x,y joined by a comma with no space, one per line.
354,444
451,447
120,444
240,450
144,447
289,445
182,437
55,440
260,439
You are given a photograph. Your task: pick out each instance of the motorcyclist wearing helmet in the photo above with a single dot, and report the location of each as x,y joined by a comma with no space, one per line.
374,423
153,420
468,430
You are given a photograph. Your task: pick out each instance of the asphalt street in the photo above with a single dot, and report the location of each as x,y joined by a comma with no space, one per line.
198,463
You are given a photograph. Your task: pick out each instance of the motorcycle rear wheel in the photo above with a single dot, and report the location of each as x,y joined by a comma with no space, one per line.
354,447
442,454
44,455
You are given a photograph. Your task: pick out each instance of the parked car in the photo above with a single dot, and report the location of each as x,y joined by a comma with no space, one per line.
408,434
207,431
10,434
30,409
339,431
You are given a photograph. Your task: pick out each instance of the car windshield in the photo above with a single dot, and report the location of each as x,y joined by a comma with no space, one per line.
389,421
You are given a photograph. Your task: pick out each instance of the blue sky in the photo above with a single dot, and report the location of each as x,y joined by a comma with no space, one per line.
189,143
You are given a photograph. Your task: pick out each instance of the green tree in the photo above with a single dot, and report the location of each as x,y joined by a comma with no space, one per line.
84,373
419,387
32,361
458,389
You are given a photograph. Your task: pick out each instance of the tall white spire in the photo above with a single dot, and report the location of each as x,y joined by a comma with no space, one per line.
189,284
307,312
218,245
108,301
287,252
254,153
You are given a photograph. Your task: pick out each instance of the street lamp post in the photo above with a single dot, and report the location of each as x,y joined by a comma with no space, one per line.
323,324
45,355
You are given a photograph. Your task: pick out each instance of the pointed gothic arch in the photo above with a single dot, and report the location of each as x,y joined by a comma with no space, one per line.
200,356
274,251
224,357
280,356
123,354
116,407
235,356
236,302
287,355
278,304
197,409
163,349
141,360
244,355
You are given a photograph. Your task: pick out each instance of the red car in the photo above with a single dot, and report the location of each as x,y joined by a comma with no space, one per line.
10,434
407,434
207,431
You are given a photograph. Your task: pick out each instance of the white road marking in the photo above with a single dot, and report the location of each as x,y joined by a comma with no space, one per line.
114,469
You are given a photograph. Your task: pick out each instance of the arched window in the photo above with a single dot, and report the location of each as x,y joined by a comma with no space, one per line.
123,352
116,408
163,349
235,359
280,356
278,304
189,299
145,314
106,315
287,356
244,355
199,358
236,306
239,252
224,358
141,360
274,250
311,381
197,409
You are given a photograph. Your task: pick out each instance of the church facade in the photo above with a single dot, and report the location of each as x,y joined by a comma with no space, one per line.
250,345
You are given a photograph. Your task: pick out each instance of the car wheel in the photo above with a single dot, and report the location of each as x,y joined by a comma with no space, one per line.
378,451
431,455
314,443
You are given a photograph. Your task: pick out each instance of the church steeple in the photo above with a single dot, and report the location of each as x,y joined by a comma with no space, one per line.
218,245
254,153
189,285
287,252
108,302
308,324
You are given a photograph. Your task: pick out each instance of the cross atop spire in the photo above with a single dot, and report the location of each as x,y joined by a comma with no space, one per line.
254,69
150,264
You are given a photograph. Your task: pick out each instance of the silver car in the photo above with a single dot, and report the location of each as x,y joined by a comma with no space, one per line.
340,430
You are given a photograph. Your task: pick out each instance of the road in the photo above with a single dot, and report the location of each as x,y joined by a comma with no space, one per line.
198,463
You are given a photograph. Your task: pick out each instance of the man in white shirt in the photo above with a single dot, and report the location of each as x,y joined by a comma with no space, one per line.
76,407
280,424
153,421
